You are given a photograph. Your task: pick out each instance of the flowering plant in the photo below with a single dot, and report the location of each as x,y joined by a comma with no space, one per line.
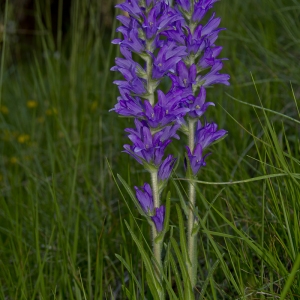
171,42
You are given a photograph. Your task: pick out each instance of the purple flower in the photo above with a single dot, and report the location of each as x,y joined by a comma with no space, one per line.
166,168
168,109
148,148
133,84
197,105
132,7
145,198
208,134
129,106
131,38
167,58
175,34
185,78
201,8
159,18
213,76
195,42
196,158
159,218
185,4
211,25
208,58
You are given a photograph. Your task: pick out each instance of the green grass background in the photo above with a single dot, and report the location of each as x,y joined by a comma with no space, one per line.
61,212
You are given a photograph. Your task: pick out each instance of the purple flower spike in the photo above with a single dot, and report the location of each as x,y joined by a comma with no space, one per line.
196,159
145,198
166,168
159,218
208,134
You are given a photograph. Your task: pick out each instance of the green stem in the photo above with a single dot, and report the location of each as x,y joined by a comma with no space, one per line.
192,241
157,246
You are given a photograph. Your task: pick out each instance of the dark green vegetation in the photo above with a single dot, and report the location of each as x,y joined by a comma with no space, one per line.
61,213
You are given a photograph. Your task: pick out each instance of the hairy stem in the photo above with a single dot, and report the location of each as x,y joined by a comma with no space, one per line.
192,241
157,246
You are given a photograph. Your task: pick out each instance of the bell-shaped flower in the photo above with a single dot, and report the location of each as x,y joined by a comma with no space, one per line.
208,134
132,7
184,4
209,57
145,197
159,19
166,168
148,148
129,106
159,218
196,158
167,58
211,25
168,109
132,83
197,105
213,76
201,8
131,39
185,78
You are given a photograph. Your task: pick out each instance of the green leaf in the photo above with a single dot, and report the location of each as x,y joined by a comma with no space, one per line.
181,199
211,204
291,278
185,276
267,256
152,287
220,255
208,278
265,109
130,271
258,178
147,261
127,292
177,277
182,235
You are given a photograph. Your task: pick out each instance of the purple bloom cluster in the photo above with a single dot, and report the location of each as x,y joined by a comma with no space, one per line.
204,137
171,42
197,70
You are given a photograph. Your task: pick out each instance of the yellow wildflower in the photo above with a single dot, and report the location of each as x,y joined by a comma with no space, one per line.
40,119
8,135
51,111
4,109
14,160
32,104
23,138
94,105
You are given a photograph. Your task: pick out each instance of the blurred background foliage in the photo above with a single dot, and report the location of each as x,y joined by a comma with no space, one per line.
61,211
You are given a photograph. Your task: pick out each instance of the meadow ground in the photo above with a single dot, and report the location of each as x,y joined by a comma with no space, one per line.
61,211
